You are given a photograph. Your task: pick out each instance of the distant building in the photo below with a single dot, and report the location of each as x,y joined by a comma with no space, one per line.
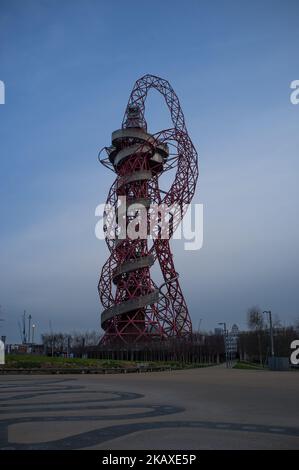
24,348
235,330
232,341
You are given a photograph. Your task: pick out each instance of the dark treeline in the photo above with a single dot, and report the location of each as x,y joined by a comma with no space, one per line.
252,345
201,348
58,343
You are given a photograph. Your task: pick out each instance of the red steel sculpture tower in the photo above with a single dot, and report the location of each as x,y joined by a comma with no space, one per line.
136,310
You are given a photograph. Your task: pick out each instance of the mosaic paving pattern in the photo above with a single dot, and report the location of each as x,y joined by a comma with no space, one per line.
25,402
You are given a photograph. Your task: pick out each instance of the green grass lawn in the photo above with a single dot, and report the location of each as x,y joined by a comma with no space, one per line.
28,361
248,365
35,362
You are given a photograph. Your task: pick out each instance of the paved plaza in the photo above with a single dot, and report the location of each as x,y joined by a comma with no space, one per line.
211,408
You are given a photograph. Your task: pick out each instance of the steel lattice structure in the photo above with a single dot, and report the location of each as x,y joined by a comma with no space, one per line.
135,308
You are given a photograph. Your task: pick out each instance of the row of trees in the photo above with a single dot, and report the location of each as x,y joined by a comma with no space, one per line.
253,345
62,343
203,348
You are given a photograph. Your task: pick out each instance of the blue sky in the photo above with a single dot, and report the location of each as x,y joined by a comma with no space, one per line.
69,67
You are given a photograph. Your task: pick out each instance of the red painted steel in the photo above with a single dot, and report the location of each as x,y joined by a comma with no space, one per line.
168,316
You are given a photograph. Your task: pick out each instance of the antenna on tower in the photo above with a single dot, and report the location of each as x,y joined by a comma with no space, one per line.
29,326
20,330
24,338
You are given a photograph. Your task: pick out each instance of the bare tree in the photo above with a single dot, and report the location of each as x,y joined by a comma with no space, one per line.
58,343
276,322
255,322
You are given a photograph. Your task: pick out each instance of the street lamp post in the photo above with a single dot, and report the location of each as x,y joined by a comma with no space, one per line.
271,330
225,341
33,329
